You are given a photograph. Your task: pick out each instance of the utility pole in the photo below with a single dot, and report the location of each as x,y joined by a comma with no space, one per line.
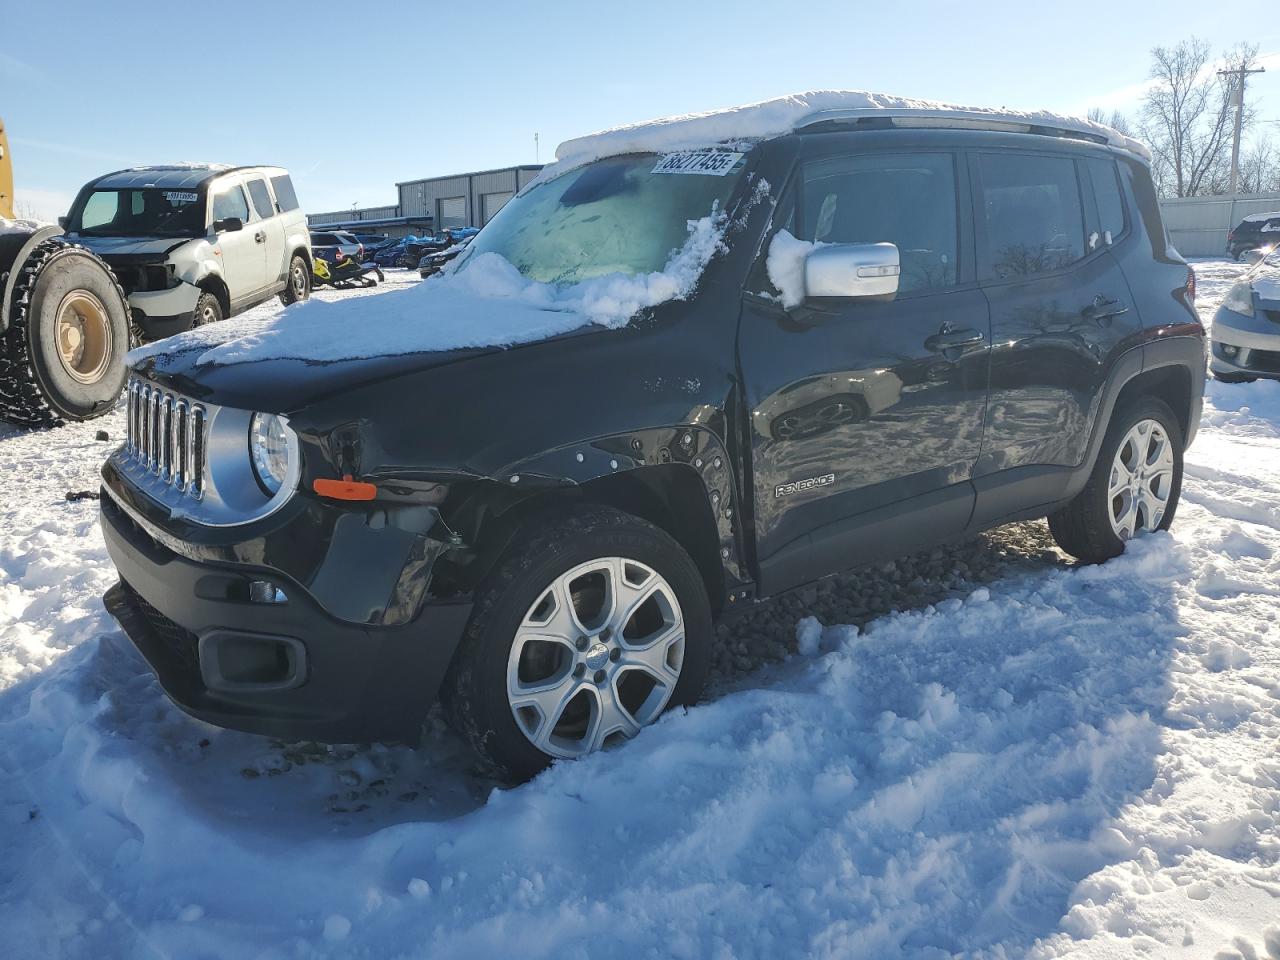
536,158
1240,74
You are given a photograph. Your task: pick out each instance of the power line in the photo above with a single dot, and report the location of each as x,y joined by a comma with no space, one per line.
1241,74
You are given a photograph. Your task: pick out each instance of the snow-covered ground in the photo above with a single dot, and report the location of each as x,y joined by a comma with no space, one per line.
1052,762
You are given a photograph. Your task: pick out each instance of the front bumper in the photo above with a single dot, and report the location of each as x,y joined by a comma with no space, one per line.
288,669
1252,345
162,313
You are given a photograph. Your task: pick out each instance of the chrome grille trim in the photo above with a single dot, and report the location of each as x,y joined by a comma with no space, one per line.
166,436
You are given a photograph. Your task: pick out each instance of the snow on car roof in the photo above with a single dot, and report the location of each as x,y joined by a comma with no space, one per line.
1261,217
783,115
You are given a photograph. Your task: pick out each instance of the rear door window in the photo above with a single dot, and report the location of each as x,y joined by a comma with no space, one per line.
1031,215
908,200
261,198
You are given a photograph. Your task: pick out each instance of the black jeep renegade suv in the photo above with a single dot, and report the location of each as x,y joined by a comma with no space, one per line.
976,323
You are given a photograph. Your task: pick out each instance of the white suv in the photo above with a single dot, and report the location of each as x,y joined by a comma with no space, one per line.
192,244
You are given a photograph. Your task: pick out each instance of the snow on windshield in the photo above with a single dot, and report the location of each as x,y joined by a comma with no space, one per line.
487,304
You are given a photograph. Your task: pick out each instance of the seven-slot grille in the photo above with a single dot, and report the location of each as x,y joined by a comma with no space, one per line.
166,436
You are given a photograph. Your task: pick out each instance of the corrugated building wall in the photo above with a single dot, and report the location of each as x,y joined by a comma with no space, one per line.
1198,226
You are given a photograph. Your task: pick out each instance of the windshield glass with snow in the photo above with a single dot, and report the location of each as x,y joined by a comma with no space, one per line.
612,216
147,212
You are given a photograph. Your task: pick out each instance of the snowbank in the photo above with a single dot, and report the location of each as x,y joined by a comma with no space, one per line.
777,117
486,302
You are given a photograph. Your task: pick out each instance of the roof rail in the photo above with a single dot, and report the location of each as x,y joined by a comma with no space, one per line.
952,119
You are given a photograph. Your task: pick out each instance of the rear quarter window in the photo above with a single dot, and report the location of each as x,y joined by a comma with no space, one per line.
286,199
1107,194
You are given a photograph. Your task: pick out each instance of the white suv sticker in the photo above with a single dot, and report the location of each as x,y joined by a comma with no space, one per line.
179,196
701,161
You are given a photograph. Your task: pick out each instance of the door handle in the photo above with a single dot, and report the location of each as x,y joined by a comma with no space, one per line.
947,340
259,237
1103,310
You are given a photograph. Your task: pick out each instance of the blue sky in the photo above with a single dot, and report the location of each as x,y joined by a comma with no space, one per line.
353,97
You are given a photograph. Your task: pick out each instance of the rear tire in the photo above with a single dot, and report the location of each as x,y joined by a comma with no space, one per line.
1085,528
655,657
62,357
298,284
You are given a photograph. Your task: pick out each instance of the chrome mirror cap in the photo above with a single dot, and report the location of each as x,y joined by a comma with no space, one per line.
852,270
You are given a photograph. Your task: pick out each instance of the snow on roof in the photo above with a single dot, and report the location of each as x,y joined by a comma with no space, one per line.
1261,217
783,115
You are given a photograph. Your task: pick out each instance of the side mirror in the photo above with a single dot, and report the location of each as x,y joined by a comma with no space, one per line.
63,221
228,225
852,270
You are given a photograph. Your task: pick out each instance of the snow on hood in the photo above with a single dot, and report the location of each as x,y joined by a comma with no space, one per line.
21,226
1267,287
108,246
778,117
487,303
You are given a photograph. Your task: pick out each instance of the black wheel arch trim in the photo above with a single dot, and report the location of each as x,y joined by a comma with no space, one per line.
22,251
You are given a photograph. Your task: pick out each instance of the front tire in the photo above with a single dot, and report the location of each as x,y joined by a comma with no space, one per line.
592,625
1134,487
208,310
298,286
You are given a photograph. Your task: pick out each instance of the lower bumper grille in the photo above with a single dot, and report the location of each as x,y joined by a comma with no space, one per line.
182,643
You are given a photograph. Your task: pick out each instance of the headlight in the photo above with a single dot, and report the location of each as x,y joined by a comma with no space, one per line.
269,450
1239,298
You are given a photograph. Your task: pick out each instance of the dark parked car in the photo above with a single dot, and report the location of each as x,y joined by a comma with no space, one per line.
389,254
371,240
433,263
1252,233
544,534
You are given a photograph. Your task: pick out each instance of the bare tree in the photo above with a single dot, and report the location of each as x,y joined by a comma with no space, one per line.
1116,120
1187,116
1260,168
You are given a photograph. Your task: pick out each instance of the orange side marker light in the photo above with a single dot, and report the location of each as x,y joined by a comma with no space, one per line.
345,489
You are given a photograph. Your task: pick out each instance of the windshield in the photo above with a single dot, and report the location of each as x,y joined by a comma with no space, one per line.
150,212
612,216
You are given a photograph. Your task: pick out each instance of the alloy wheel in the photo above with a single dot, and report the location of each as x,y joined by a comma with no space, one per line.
596,657
1141,480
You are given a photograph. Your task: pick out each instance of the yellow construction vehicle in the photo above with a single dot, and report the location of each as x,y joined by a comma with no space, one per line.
6,178
64,321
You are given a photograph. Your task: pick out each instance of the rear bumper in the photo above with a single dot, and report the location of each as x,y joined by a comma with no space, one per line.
286,670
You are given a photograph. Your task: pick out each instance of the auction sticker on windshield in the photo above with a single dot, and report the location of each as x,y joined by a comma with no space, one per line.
707,164
178,196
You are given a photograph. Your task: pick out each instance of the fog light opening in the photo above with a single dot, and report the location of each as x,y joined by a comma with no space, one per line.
1229,350
264,591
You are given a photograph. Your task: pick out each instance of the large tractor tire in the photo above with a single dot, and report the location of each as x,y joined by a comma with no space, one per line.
64,332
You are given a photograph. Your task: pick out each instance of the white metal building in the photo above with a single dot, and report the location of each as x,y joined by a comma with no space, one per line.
435,203
464,200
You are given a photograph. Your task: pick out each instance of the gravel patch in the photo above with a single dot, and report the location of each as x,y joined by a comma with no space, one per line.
767,633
